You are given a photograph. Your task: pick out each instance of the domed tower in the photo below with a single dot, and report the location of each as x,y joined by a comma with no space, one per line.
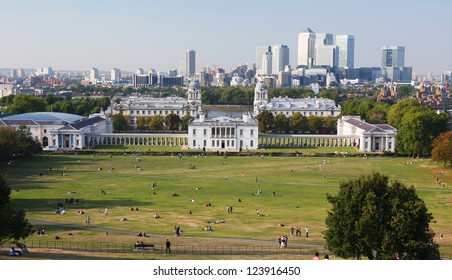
194,93
260,96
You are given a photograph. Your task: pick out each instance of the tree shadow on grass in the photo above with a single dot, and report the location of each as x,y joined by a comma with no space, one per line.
51,204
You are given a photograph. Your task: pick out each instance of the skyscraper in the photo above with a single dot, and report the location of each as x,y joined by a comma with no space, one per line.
326,55
115,75
267,60
393,64
260,52
93,75
392,56
306,43
190,63
346,45
280,58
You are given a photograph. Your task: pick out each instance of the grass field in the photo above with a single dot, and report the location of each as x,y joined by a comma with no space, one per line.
300,185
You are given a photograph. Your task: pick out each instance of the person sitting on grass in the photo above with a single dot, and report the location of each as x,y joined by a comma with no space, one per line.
13,252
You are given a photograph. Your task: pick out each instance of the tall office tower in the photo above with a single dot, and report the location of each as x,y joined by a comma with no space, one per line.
280,58
346,45
93,75
139,71
306,43
323,39
20,73
181,68
326,55
267,63
260,52
115,75
190,63
13,73
392,56
393,64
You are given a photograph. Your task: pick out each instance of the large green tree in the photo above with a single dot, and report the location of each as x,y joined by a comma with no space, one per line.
281,123
378,219
13,225
26,104
442,148
298,122
156,123
172,121
185,120
119,122
265,121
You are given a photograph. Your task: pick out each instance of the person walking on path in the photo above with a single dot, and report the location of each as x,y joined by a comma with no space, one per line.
168,246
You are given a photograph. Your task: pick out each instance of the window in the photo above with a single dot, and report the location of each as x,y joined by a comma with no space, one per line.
143,112
205,132
227,143
45,130
241,132
251,143
194,143
194,132
232,143
241,143
252,132
213,143
131,112
205,143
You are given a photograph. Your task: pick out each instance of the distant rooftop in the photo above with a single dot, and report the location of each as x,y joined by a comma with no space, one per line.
51,117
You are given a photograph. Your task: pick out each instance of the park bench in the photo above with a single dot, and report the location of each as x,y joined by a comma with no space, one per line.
144,247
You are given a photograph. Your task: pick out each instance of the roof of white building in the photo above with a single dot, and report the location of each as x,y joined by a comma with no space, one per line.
303,103
153,102
223,119
367,127
45,117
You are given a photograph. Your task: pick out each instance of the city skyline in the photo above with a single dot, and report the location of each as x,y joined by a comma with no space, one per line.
80,35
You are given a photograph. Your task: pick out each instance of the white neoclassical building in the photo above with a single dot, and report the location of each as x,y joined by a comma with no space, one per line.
372,137
321,107
146,106
223,133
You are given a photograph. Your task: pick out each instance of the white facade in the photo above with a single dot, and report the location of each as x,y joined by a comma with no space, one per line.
306,43
280,58
223,133
326,55
267,63
93,75
6,89
321,107
60,129
149,106
372,137
346,45
115,75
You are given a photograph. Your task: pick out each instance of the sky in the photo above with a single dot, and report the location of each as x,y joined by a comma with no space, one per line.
81,34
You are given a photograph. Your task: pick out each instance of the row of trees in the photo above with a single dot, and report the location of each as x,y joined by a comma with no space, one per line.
151,123
20,104
369,109
17,143
296,123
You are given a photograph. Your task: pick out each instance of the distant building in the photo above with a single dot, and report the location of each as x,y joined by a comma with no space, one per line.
321,107
306,44
393,64
223,133
280,58
346,47
326,55
66,131
372,137
45,71
93,75
190,63
115,76
151,106
260,52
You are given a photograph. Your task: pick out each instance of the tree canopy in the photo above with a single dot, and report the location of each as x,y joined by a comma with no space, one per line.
13,224
378,219
17,142
442,148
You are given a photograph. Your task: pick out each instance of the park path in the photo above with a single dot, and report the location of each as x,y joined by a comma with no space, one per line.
126,232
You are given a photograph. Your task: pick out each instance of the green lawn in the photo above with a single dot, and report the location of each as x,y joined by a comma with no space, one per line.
300,185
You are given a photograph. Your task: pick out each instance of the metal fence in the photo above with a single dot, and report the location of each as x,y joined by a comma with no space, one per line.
175,249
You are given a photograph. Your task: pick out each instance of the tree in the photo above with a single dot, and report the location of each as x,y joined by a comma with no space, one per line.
14,225
26,104
156,123
281,123
265,121
172,121
398,110
119,122
442,148
27,145
315,123
298,122
8,143
417,129
141,122
330,124
375,218
185,121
